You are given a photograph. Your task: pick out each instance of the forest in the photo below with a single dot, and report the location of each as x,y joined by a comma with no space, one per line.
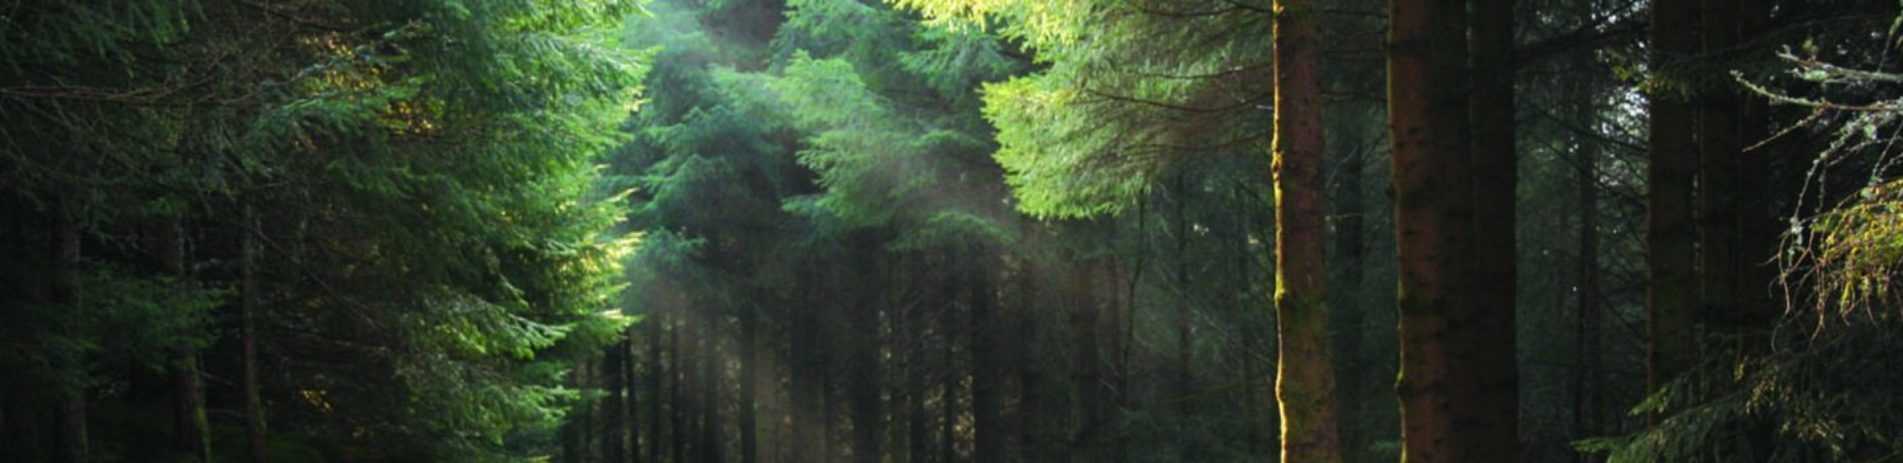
951,231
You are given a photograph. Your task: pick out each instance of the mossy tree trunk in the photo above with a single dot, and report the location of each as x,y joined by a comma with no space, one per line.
1305,380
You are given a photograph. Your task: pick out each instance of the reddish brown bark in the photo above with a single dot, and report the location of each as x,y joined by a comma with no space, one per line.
1450,346
1305,381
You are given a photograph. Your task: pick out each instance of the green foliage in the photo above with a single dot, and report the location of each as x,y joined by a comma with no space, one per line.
430,211
1128,90
1824,399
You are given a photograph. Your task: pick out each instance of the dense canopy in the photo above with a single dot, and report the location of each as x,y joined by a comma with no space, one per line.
949,231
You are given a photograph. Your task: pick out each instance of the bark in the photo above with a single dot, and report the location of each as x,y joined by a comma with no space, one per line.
1305,381
1037,420
1495,406
803,375
677,410
868,426
614,409
73,443
1086,440
988,443
749,351
711,445
1672,286
948,376
829,379
1444,411
1759,220
248,293
631,410
1120,335
575,431
191,436
1721,226
657,368
917,430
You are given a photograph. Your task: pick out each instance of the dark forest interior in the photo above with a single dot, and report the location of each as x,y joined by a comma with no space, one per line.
951,231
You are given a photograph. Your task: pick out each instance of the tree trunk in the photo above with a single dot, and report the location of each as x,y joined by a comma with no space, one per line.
987,406
748,348
949,374
917,430
1672,286
1086,365
248,333
1304,381
1759,220
1120,334
74,445
190,430
1037,421
1445,410
1721,254
656,329
631,408
711,445
803,374
614,409
1490,359
868,426
677,411
575,431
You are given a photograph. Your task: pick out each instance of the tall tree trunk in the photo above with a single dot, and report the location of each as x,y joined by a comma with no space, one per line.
949,375
712,375
1086,365
1759,218
1490,359
1120,334
1721,254
1304,379
190,431
678,372
1035,416
987,405
74,445
576,436
829,387
1759,227
917,430
1671,282
1445,393
631,408
614,408
803,376
868,425
657,368
248,333
748,348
